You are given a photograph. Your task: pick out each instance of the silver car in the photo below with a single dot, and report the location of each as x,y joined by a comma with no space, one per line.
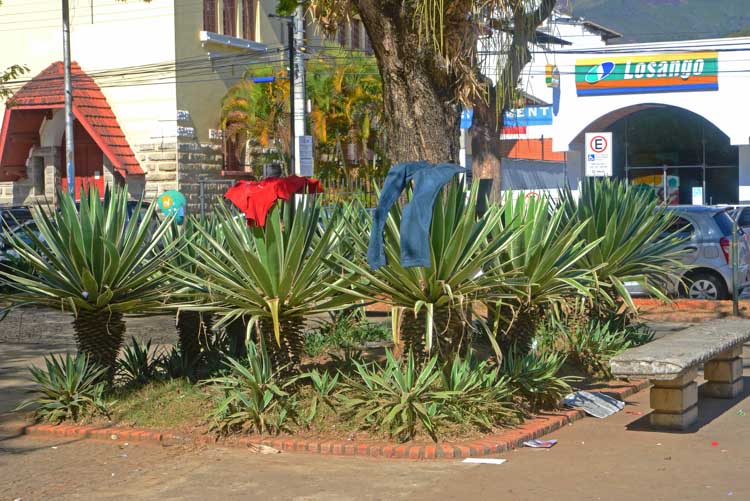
708,231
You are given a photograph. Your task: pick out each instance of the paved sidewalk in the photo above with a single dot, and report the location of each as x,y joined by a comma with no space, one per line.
611,459
618,458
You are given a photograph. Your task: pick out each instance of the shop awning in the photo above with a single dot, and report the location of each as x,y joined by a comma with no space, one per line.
27,108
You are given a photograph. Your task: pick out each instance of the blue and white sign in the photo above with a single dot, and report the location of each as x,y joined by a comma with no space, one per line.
467,117
531,115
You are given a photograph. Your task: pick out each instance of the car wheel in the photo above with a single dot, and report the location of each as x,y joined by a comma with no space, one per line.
702,285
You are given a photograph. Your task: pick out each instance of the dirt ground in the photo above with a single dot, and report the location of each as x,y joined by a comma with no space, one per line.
617,458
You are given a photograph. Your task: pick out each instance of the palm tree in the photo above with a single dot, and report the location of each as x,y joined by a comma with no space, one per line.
272,278
96,262
258,112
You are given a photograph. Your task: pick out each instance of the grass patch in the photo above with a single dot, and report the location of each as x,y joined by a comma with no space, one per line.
162,404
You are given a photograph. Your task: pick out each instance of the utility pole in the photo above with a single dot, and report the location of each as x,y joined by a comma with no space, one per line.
300,101
292,100
69,145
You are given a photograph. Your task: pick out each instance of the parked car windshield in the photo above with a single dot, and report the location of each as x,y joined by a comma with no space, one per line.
724,221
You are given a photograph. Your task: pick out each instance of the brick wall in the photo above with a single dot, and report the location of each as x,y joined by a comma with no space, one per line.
159,161
198,161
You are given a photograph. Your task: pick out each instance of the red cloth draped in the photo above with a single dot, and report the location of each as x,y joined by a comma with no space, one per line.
255,198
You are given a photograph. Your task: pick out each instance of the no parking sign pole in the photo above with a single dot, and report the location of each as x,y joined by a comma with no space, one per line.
735,266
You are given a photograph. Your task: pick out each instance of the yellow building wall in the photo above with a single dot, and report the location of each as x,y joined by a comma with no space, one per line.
128,47
210,69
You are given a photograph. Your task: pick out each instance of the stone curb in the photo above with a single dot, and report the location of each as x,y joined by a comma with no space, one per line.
491,444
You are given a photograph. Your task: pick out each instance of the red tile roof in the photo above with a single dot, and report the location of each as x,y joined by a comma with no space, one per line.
90,107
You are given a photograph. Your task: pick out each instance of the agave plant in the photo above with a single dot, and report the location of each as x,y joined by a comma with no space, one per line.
633,238
69,388
139,364
193,327
253,395
398,397
271,277
95,262
430,305
546,264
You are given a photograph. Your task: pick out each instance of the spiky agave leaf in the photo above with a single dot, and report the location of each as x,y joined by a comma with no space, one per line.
464,255
632,231
270,275
94,258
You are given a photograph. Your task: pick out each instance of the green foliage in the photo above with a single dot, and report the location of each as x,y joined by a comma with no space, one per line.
347,330
70,388
630,230
276,275
324,386
139,364
94,258
253,396
543,263
590,346
398,397
173,364
535,377
480,396
8,75
463,256
345,91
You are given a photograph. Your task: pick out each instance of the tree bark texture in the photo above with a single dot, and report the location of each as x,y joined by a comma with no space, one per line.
422,114
193,329
486,146
516,327
449,334
100,334
287,356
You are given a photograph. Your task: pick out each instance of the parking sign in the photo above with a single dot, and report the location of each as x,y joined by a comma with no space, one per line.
598,154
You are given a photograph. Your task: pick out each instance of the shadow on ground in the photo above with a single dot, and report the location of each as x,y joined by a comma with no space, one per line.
709,409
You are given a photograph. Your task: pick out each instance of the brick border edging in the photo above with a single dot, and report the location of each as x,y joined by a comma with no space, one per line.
491,444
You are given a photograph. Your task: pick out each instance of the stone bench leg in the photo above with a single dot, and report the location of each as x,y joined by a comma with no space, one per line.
723,374
675,402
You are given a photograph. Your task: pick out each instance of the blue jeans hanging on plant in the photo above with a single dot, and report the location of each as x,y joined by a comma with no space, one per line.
428,180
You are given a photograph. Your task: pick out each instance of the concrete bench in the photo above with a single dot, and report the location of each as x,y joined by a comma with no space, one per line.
671,364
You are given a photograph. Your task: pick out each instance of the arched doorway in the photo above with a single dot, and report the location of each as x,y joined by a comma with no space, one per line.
673,150
89,162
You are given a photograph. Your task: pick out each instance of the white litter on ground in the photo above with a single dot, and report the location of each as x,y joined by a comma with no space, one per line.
484,461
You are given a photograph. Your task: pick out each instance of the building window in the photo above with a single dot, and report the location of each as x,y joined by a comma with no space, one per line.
210,15
229,17
249,8
238,17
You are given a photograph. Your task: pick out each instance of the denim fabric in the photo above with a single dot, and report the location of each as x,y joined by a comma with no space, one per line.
428,180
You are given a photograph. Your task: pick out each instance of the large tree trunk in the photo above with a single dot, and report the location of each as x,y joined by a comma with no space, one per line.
486,146
99,334
421,113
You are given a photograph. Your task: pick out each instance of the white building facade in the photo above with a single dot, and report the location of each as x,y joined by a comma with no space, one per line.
677,112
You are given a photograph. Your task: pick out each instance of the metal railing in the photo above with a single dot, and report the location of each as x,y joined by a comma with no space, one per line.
334,191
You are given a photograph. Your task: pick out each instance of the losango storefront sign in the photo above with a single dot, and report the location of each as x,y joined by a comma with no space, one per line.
685,71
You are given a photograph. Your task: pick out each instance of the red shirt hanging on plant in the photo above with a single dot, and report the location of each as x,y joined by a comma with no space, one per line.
255,198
